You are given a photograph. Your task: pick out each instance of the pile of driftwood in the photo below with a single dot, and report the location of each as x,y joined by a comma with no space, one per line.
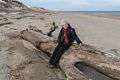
96,59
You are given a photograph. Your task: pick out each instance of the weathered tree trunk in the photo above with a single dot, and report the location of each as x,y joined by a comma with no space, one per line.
96,59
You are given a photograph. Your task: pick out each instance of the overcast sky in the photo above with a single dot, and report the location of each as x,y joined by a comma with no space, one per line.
75,5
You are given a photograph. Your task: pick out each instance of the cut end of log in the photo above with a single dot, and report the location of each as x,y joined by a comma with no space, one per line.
91,72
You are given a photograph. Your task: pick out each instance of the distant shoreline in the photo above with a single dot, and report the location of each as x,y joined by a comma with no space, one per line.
93,12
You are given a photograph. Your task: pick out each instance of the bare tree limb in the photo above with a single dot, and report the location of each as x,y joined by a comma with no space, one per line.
52,29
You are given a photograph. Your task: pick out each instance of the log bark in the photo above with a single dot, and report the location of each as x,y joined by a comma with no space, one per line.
87,54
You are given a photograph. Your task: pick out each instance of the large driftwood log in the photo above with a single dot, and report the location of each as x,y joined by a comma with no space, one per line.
96,59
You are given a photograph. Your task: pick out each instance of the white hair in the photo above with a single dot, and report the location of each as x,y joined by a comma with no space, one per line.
64,21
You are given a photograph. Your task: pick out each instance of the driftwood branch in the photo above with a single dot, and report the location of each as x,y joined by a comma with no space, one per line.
94,58
52,29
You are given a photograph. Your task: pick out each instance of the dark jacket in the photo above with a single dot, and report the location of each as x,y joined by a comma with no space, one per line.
71,36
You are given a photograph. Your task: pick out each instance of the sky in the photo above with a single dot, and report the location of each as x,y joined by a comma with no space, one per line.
75,5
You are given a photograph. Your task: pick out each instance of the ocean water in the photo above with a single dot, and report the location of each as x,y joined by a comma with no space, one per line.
98,12
103,12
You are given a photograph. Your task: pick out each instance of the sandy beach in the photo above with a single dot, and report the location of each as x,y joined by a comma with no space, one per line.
99,30
24,54
17,56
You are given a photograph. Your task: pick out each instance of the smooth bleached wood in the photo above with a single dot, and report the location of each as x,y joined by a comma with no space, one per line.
87,54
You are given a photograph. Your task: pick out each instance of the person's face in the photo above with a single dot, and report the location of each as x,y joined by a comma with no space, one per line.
65,25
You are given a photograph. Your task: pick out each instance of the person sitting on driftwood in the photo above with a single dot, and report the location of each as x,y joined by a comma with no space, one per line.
66,38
